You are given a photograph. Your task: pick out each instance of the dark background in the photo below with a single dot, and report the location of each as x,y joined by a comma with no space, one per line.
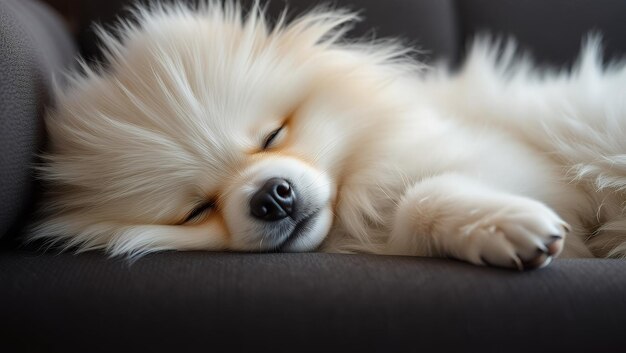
551,29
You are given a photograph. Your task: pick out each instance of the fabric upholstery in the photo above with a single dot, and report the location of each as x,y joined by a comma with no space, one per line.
551,30
428,24
34,46
306,302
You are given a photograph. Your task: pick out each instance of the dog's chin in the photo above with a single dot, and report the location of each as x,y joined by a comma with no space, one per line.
308,233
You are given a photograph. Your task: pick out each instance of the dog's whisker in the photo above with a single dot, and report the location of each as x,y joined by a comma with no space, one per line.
261,243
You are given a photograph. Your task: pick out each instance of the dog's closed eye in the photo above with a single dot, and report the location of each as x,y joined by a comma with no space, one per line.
272,137
200,210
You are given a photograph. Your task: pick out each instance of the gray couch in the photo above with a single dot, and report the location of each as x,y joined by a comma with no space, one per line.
290,302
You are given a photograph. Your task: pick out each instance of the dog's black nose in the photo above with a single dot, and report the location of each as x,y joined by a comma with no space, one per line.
274,201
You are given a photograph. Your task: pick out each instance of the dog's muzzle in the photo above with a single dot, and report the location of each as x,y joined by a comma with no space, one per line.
274,201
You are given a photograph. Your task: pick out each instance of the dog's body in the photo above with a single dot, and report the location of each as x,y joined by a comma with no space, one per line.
211,132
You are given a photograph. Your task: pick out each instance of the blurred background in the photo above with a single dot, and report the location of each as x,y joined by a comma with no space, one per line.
551,30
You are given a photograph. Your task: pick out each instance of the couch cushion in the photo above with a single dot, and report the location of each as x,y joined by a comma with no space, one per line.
306,302
427,24
33,47
552,30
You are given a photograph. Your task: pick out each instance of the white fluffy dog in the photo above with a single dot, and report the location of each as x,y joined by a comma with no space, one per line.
211,130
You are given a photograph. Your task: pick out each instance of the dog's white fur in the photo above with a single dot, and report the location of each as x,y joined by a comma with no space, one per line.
492,164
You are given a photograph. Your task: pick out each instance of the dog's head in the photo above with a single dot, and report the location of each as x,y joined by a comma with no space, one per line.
208,131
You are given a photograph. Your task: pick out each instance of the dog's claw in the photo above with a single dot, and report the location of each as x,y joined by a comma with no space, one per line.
517,263
553,246
484,261
535,263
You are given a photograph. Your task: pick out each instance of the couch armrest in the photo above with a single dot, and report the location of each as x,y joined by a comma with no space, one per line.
34,46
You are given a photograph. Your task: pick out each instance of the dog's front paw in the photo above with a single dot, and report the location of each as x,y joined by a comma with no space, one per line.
521,235
455,216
